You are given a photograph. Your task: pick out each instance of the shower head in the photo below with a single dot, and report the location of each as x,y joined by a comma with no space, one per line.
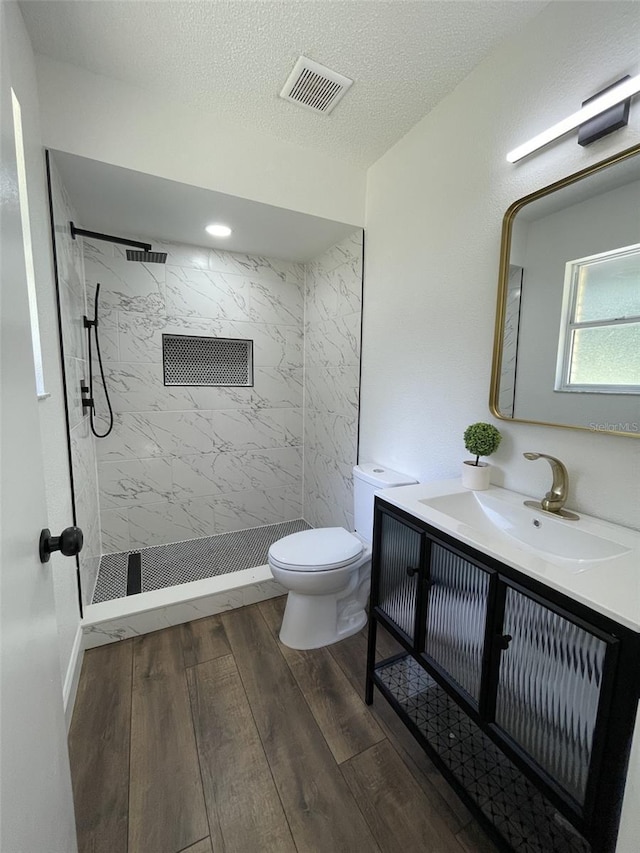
142,251
147,257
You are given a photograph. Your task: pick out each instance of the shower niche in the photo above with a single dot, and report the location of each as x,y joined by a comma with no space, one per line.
191,360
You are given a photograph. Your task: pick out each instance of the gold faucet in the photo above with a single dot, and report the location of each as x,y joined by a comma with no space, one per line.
556,497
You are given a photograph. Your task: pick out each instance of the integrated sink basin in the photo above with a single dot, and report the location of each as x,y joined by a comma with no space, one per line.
590,560
502,513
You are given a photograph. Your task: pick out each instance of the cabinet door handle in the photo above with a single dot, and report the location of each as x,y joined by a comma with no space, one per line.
411,571
503,641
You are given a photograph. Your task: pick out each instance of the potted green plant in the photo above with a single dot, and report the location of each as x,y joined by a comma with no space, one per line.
482,440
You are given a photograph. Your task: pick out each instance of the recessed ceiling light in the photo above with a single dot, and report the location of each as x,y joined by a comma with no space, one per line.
218,230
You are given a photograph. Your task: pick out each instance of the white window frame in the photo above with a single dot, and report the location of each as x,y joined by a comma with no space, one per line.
568,326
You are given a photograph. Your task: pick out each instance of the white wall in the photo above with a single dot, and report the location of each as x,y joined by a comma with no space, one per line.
52,418
434,209
101,118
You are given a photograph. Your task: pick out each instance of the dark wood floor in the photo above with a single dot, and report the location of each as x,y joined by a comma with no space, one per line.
212,736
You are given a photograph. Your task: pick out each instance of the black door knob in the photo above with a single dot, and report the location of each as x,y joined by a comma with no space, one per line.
69,543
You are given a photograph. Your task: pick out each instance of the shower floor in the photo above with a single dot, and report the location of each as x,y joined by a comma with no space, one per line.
192,560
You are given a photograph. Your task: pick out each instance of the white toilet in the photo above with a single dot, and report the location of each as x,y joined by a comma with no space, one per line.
328,570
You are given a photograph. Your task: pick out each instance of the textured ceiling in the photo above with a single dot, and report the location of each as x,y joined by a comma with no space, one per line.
232,57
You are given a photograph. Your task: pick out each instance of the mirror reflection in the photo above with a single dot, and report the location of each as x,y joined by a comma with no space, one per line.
567,347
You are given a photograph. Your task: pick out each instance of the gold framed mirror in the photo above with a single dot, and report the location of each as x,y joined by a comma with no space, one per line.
567,336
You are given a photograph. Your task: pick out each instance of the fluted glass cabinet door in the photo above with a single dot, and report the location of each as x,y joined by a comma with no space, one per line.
456,617
399,572
549,688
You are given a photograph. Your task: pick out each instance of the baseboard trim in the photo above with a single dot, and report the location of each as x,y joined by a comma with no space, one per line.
70,687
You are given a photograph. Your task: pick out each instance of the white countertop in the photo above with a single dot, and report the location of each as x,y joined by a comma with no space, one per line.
610,587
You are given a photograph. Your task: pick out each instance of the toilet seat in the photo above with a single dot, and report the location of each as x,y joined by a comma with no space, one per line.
316,550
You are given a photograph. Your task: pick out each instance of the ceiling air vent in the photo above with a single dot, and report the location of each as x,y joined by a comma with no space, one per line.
314,86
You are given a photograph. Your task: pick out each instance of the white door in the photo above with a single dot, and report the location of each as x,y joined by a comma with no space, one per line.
36,806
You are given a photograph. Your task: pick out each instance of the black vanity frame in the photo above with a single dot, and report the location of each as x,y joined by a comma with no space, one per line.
596,815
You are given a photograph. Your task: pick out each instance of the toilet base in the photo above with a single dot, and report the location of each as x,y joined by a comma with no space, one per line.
313,621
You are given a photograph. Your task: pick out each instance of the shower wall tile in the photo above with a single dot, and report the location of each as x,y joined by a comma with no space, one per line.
153,434
176,450
293,427
346,253
241,471
274,345
126,285
243,429
267,269
321,297
272,469
194,476
72,310
202,293
108,334
170,521
72,304
332,435
135,482
76,371
335,342
195,257
114,525
230,472
89,557
333,311
99,250
138,387
277,387
328,487
87,510
140,337
334,390
276,302
254,508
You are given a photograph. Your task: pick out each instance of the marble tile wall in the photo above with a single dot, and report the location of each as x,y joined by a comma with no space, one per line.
70,269
185,461
333,309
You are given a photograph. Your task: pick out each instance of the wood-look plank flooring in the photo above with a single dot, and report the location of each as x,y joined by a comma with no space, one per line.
213,737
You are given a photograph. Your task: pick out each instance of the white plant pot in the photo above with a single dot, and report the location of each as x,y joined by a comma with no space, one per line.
476,477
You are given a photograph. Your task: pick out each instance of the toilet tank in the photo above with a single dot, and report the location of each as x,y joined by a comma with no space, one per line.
369,478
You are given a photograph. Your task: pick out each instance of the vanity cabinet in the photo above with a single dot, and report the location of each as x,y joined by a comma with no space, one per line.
524,698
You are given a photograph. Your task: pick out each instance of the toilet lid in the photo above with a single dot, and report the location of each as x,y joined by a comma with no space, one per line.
316,550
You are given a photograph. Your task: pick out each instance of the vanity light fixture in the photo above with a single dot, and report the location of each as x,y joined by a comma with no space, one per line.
615,95
218,230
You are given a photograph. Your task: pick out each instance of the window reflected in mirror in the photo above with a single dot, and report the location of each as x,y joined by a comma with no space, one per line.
599,348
